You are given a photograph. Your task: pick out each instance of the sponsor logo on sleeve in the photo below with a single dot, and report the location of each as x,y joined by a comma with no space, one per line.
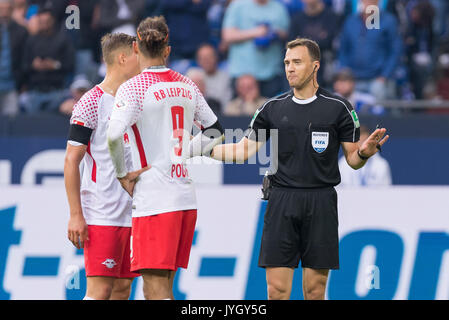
355,118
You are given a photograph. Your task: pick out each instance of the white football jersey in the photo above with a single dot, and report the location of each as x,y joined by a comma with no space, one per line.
103,200
376,172
160,106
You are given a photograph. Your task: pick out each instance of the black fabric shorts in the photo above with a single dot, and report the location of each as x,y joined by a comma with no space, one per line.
300,225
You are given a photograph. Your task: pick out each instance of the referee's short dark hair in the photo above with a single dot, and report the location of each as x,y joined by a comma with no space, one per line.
312,46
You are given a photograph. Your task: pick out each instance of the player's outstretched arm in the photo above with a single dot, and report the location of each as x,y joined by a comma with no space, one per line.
77,228
203,143
236,152
355,155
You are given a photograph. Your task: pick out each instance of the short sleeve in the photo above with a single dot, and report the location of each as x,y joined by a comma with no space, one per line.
282,21
259,128
204,116
85,111
127,107
349,124
232,17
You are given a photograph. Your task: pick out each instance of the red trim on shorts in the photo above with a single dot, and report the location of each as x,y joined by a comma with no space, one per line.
143,158
94,166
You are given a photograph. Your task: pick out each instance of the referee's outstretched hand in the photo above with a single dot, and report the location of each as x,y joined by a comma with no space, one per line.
374,142
129,181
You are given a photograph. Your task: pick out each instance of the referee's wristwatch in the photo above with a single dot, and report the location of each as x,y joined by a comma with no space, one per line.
360,156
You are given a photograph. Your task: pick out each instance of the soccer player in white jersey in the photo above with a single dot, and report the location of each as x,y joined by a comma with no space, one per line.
160,107
100,210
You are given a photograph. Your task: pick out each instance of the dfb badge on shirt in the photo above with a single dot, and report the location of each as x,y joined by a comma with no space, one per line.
320,141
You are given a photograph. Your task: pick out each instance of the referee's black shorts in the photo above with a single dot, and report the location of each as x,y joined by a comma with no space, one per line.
300,225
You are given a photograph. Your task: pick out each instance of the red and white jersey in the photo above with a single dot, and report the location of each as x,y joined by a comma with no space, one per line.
104,201
161,106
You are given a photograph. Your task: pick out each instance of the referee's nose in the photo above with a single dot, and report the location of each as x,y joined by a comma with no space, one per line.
290,68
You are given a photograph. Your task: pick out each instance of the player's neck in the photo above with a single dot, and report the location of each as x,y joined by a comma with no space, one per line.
111,83
146,63
306,92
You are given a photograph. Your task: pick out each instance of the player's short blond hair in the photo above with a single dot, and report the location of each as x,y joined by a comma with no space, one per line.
312,47
114,41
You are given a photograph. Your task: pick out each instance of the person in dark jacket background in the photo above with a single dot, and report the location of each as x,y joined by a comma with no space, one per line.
319,23
372,54
120,15
47,63
12,41
187,20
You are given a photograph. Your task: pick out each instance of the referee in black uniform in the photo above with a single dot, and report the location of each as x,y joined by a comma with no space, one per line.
301,220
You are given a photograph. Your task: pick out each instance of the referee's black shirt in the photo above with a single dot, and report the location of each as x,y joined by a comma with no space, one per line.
309,135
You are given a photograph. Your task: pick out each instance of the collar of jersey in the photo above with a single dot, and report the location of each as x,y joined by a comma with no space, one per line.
304,101
164,69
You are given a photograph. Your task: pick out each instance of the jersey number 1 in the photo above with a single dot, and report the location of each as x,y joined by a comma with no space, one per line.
177,114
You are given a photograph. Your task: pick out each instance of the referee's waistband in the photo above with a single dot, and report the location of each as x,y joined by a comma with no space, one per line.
300,189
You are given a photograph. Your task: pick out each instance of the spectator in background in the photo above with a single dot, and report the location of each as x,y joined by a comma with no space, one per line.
217,82
198,77
152,8
419,42
86,39
399,9
255,31
57,8
77,89
293,6
344,85
342,8
441,21
215,16
187,20
25,12
120,15
371,54
376,172
443,77
48,62
25,16
356,5
248,98
319,23
12,40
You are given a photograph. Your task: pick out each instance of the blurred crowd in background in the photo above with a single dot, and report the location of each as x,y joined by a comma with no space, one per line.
232,49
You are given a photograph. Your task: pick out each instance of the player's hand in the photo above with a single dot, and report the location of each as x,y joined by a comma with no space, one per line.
129,181
77,231
374,142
